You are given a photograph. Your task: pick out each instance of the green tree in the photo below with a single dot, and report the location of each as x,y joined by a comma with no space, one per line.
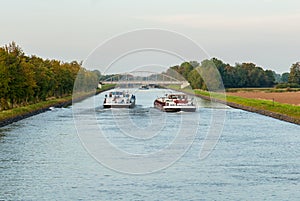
269,79
29,79
185,69
196,80
4,86
28,83
294,76
14,50
210,75
285,77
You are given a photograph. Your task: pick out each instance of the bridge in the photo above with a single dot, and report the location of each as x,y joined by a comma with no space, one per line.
145,78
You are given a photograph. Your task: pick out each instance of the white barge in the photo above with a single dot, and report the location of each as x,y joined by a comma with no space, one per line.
119,99
175,103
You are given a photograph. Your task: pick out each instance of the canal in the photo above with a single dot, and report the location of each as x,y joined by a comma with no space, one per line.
85,152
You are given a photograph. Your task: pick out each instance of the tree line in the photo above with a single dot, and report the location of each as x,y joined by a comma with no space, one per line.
293,78
29,79
239,76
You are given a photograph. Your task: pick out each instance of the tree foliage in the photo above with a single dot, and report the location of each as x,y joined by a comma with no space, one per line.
214,74
25,80
294,76
285,77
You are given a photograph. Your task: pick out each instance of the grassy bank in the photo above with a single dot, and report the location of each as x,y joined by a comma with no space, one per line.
44,105
266,105
12,113
285,112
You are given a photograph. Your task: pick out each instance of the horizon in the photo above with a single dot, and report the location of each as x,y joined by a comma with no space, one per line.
157,69
261,32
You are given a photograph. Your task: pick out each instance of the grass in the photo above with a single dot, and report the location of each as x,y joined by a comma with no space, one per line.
15,112
286,109
6,114
268,105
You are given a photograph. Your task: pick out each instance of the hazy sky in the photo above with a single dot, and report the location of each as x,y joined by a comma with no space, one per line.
266,32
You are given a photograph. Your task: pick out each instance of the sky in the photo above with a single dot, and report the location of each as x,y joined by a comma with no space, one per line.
265,32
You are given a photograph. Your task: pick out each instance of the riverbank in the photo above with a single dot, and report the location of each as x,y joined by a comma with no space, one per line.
292,97
285,112
282,111
17,114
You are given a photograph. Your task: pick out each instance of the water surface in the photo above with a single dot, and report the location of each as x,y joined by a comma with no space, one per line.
256,158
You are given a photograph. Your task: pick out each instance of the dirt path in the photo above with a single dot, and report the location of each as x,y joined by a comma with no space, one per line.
284,97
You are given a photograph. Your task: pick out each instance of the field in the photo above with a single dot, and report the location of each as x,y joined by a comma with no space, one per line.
276,109
281,97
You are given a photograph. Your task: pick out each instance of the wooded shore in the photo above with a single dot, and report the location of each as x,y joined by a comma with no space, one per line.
18,114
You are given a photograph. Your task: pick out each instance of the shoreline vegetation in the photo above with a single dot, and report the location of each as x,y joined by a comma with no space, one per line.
285,112
17,114
248,76
30,85
28,80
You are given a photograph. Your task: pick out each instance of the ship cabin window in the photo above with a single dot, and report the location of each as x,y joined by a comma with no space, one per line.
172,97
178,96
117,93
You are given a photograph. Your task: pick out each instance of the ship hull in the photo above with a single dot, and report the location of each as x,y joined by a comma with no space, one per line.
131,105
175,108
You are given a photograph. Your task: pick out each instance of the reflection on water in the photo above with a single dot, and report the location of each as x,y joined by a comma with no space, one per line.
256,158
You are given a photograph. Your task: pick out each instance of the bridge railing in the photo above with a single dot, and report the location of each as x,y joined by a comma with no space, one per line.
141,78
